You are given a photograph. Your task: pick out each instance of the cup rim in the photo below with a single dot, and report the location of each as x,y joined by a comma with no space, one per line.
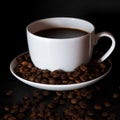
33,23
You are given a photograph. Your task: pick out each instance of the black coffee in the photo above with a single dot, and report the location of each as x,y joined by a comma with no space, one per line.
61,33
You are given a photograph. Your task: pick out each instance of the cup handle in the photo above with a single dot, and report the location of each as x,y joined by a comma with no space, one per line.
110,50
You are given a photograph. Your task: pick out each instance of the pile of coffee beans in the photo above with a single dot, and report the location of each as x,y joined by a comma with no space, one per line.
90,103
83,73
95,102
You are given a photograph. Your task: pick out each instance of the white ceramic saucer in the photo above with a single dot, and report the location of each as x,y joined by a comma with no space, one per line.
57,87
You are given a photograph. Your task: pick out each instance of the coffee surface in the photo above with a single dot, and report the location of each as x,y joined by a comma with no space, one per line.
60,33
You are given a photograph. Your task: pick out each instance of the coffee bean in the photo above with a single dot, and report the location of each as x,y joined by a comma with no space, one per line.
51,105
9,93
105,114
7,108
46,93
74,101
55,74
90,113
83,105
51,81
97,107
116,95
107,104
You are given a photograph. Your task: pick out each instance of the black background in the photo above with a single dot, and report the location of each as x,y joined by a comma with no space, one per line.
16,15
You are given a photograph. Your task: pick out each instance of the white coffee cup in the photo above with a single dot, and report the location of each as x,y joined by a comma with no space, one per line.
64,53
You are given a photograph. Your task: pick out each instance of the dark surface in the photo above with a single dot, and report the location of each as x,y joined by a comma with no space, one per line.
105,15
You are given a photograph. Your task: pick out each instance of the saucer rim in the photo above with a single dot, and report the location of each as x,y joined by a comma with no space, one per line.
60,87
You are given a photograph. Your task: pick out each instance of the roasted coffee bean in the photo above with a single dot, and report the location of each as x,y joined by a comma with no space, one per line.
58,93
51,80
105,114
63,76
44,81
83,68
7,108
83,78
82,104
65,81
74,101
90,113
51,105
107,103
97,107
55,74
70,95
9,93
116,95
46,93
76,74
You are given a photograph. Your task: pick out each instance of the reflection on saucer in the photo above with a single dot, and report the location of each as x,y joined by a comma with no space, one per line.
23,69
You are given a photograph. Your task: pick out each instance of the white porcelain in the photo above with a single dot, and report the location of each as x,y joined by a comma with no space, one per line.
57,87
65,54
